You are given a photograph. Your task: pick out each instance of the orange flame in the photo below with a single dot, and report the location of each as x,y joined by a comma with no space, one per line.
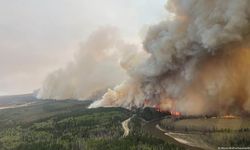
175,113
229,117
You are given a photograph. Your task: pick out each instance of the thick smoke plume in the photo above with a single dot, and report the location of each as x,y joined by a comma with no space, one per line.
94,69
196,61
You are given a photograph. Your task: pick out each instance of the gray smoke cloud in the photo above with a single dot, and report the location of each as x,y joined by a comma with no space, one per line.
95,68
195,61
192,62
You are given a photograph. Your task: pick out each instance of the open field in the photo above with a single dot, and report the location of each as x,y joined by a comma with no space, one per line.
209,133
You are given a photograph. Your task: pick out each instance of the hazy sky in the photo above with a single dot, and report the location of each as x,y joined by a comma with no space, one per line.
39,36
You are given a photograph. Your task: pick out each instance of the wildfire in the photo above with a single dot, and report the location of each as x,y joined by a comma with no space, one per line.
158,108
146,103
165,106
229,117
175,113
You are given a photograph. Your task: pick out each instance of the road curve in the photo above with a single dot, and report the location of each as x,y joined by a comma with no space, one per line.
125,127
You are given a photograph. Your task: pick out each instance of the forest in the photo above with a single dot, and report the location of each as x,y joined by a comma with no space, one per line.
69,125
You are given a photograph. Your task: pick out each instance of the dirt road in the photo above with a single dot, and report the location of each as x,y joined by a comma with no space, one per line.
125,127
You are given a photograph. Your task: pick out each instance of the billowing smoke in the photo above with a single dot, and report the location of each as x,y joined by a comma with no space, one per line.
94,69
198,61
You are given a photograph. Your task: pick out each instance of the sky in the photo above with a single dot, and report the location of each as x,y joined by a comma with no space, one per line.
38,37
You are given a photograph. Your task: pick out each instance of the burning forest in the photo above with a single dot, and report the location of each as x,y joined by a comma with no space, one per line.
194,62
171,74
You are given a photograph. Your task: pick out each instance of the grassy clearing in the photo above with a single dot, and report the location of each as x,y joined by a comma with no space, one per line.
213,132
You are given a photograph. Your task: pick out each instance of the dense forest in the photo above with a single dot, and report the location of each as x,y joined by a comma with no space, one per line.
69,125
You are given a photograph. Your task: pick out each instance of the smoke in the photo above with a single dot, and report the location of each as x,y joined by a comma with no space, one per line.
197,61
94,69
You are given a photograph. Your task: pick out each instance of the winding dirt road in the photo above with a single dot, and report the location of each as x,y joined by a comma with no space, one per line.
125,127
